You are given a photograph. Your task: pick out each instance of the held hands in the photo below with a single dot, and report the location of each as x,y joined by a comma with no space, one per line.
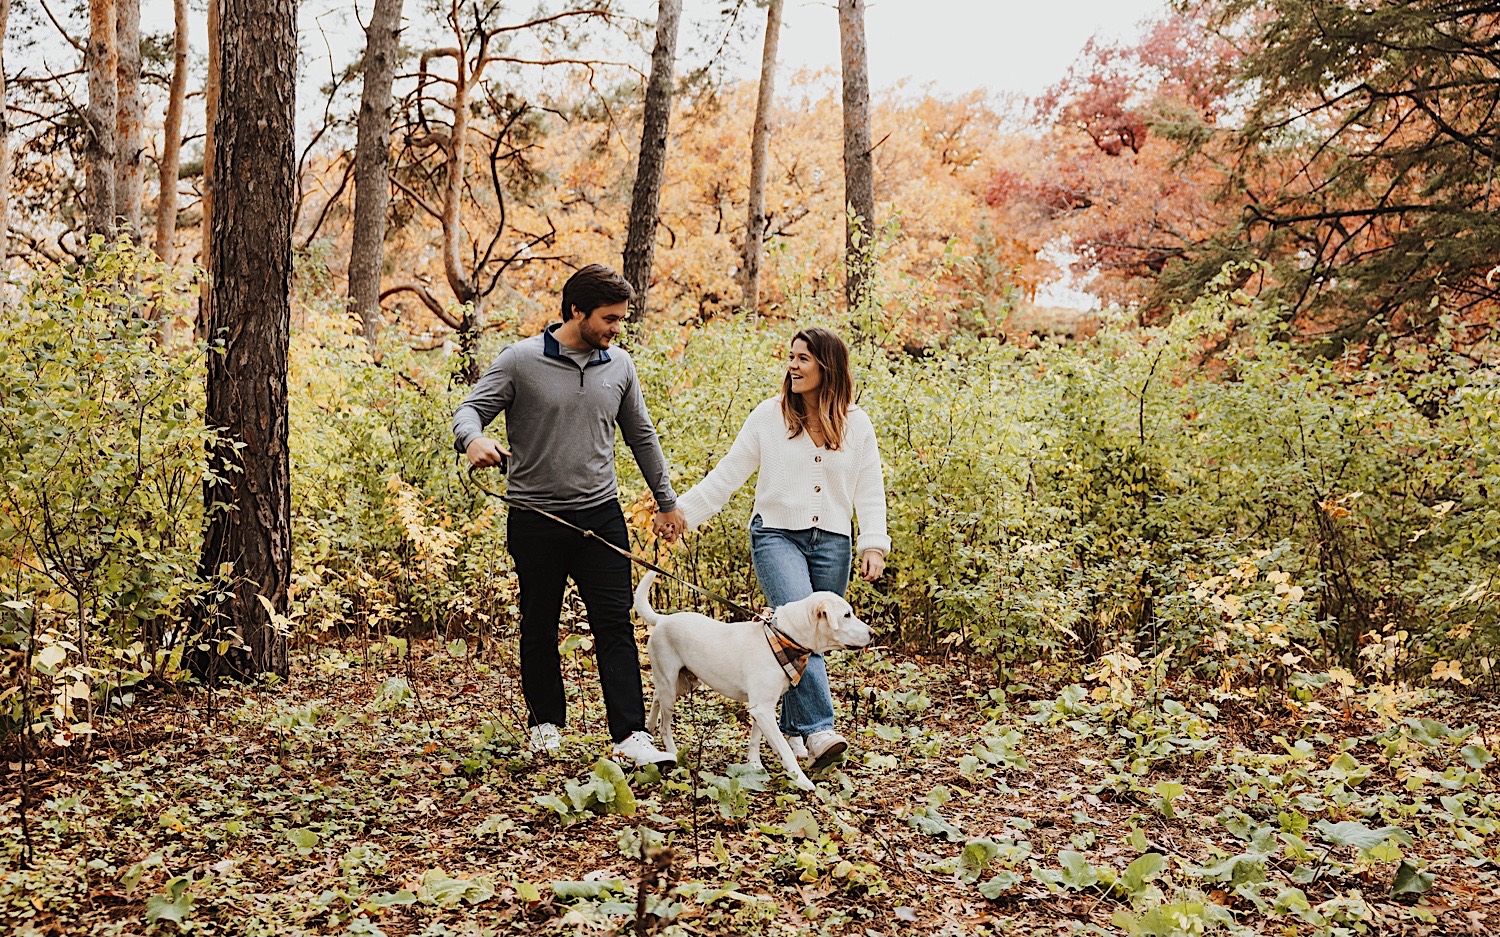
484,452
871,565
669,525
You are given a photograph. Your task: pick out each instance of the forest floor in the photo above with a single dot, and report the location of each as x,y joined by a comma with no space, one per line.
387,789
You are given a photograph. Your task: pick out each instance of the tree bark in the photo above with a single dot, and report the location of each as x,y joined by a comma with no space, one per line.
99,172
4,141
211,116
464,286
171,153
247,547
859,164
130,151
206,179
372,157
760,144
645,199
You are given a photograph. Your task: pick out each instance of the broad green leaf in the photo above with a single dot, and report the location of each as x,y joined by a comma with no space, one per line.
174,905
1001,883
591,889
1356,834
1076,869
1411,880
801,825
1141,872
1476,756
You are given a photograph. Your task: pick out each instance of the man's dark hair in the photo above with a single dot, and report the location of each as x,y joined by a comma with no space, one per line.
594,286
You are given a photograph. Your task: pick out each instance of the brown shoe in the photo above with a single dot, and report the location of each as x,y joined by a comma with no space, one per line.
824,748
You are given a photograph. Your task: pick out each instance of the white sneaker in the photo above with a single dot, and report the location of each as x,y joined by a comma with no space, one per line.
639,748
825,748
799,747
545,738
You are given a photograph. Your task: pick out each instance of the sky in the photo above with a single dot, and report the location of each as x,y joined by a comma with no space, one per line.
953,46
950,46
956,46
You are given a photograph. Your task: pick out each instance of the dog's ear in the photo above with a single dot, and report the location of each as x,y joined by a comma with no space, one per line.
824,622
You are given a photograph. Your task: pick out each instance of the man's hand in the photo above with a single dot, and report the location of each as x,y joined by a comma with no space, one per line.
871,565
669,525
484,452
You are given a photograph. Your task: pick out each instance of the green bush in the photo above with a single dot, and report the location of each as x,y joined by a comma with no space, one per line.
101,462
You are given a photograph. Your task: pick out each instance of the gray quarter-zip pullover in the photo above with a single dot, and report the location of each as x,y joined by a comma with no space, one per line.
560,421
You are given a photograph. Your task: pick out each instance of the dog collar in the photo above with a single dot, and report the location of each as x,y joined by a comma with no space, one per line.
792,656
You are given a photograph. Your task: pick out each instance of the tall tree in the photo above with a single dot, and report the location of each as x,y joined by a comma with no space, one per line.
211,85
760,143
1366,161
645,199
171,151
129,148
859,162
1113,176
4,141
247,543
100,116
372,156
476,47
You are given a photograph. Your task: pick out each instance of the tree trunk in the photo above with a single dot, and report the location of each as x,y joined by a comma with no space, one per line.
372,157
464,286
859,164
760,143
640,238
103,64
247,547
171,153
206,180
210,108
130,151
4,141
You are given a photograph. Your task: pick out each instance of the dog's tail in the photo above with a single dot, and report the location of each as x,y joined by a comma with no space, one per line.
643,600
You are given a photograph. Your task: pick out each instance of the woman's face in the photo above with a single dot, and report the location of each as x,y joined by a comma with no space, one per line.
803,369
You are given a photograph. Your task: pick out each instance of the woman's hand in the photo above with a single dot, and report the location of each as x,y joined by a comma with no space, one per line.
871,565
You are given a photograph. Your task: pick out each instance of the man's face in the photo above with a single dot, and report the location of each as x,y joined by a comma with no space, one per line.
604,325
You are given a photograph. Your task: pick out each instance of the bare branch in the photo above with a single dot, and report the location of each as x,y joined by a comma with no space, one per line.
428,300
421,202
603,13
62,32
332,199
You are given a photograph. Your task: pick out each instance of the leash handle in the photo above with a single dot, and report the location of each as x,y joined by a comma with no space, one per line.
639,560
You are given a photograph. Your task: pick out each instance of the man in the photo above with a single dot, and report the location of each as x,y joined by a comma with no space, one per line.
563,393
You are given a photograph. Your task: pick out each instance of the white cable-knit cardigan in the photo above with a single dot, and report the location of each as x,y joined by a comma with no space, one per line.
801,485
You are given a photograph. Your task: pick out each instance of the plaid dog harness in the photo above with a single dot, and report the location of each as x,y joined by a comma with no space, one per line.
790,655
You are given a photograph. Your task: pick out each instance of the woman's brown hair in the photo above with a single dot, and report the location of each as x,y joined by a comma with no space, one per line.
835,392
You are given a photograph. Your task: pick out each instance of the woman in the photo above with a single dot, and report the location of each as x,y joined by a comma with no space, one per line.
819,465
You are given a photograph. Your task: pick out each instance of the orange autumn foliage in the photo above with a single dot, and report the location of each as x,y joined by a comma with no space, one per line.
934,160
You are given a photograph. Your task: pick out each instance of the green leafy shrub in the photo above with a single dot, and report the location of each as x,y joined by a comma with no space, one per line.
101,464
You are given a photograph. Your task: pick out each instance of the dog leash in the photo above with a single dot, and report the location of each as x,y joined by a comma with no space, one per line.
640,560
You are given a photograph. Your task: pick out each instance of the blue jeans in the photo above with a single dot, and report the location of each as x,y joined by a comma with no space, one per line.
792,565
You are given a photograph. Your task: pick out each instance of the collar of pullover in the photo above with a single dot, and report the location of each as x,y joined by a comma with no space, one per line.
552,348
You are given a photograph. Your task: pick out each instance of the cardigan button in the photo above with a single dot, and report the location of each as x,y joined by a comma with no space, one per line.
815,518
817,458
817,487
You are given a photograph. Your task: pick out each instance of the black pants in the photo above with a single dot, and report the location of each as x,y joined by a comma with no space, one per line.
546,554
